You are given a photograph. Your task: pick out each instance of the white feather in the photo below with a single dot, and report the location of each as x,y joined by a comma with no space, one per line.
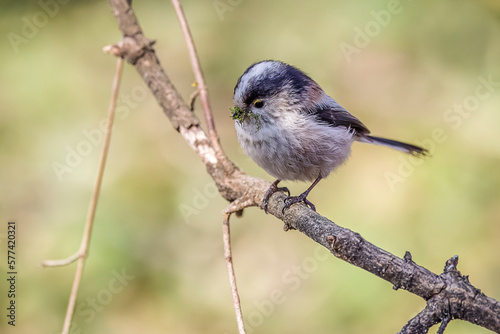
296,147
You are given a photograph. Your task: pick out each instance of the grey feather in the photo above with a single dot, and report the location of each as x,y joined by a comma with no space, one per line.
338,116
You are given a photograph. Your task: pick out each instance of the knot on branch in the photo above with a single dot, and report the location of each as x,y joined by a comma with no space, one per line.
458,299
131,48
460,295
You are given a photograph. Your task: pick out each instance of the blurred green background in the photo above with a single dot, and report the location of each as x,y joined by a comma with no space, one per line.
405,69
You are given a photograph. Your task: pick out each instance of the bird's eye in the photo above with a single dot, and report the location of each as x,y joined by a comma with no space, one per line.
258,103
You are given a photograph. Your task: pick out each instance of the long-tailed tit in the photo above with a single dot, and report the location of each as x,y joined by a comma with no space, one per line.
290,127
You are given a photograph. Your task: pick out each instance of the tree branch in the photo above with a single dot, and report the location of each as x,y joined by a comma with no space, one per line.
230,270
448,296
198,73
421,323
82,252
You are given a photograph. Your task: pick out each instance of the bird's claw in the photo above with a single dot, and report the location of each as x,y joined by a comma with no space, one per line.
285,190
289,201
272,189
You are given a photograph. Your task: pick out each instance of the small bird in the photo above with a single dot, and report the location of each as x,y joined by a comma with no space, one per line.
292,129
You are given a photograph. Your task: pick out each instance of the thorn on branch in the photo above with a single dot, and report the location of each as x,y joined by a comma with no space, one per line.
408,257
451,264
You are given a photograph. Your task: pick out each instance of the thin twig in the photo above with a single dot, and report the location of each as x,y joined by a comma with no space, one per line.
202,92
62,262
84,246
421,323
443,325
192,98
198,74
226,237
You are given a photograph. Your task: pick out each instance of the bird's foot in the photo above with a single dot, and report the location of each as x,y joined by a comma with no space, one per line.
297,199
272,189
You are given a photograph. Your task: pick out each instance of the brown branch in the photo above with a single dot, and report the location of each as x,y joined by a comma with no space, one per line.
89,223
198,73
443,325
226,233
450,293
421,323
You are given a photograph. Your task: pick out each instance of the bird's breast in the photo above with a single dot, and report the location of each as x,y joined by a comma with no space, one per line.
295,148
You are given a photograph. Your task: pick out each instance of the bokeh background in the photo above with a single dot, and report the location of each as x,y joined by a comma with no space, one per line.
156,262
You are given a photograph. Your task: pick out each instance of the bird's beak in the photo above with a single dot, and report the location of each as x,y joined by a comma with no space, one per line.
238,113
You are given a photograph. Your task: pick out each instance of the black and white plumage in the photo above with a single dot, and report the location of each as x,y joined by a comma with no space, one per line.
293,129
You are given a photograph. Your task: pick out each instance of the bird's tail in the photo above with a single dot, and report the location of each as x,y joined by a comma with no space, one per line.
407,148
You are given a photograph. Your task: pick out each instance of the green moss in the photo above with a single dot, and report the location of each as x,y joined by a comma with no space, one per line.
240,115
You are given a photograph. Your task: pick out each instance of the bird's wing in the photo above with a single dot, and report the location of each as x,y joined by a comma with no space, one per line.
338,116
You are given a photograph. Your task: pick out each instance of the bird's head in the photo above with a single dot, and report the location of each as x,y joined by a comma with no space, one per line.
270,88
